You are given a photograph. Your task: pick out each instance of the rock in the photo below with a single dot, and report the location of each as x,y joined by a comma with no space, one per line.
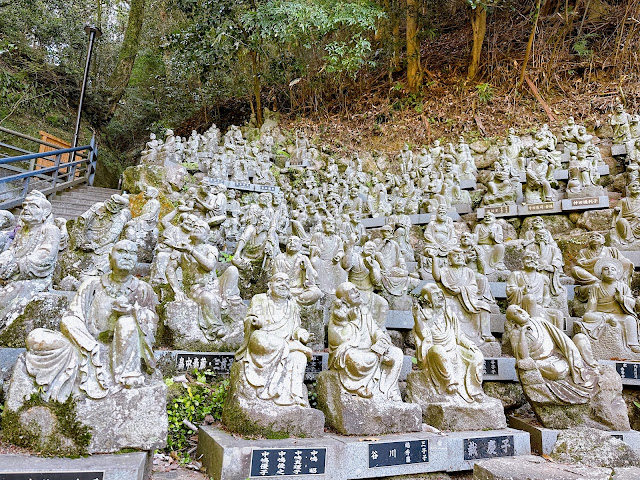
593,448
245,414
607,406
529,467
492,154
509,393
43,311
556,224
354,415
452,412
596,220
610,344
631,397
480,146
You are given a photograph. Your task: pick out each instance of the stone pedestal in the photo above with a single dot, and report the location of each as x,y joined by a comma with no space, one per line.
452,412
183,319
610,345
246,414
353,415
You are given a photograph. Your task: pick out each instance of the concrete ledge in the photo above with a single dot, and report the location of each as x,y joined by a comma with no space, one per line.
127,466
544,439
346,458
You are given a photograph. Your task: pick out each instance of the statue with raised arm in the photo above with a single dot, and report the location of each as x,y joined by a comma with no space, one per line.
326,251
27,265
104,350
267,379
448,383
303,278
395,275
560,378
620,121
611,320
359,393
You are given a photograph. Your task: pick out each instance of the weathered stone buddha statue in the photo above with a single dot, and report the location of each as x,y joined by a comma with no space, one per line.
611,320
440,235
460,288
103,358
625,230
267,379
501,189
560,378
550,262
531,290
171,235
448,383
150,153
303,278
326,251
540,176
490,239
395,275
620,121
359,393
583,176
28,264
143,229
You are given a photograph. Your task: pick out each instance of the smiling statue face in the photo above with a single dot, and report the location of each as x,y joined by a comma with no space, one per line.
32,213
530,261
353,296
294,244
279,285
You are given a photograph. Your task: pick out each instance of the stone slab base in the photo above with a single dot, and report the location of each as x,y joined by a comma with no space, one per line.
127,466
586,203
226,457
132,418
498,210
544,439
545,208
354,415
537,468
610,345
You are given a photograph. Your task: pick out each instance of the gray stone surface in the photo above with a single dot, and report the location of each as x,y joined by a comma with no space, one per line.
590,203
355,415
594,448
546,208
132,418
537,468
126,466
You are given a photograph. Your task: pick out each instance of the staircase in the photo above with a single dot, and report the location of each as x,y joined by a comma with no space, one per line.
70,204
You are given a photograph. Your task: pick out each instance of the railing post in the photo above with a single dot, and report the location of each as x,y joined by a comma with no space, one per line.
55,173
92,163
25,188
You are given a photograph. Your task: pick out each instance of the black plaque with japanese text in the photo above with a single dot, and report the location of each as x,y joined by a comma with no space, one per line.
491,366
628,370
288,461
398,453
53,476
488,447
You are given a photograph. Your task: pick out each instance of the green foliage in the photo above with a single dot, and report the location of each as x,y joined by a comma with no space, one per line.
581,45
192,402
485,92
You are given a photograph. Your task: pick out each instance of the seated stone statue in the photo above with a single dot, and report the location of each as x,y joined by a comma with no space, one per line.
584,270
192,277
626,217
448,383
560,378
550,263
501,189
326,251
359,393
267,379
143,229
490,240
530,290
440,235
104,348
171,235
620,121
395,275
303,278
611,303
463,297
540,176
583,176
28,264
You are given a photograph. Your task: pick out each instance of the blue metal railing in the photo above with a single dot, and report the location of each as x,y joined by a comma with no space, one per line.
79,167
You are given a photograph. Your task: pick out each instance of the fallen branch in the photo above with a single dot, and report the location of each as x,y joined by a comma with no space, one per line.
539,98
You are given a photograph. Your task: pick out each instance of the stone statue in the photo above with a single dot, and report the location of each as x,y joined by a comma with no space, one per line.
626,218
143,229
512,151
303,278
529,289
104,349
611,303
463,297
540,176
359,393
490,240
620,121
550,262
192,277
583,176
150,153
501,189
440,235
448,383
171,235
584,270
544,139
326,251
395,275
560,378
7,229
570,134
28,264
267,379
98,229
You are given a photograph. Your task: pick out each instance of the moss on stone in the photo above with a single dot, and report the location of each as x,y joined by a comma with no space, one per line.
70,439
43,312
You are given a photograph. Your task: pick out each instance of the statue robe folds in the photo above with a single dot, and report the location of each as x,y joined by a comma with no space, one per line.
273,356
96,344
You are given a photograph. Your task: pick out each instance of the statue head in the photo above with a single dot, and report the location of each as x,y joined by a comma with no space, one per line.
116,203
6,219
571,121
349,293
168,133
387,232
151,192
456,257
517,315
489,218
608,269
530,260
537,223
432,296
152,136
634,188
369,249
279,286
187,221
441,213
329,225
35,208
466,239
200,231
512,131
294,244
619,108
355,216
596,240
436,143
541,236
124,256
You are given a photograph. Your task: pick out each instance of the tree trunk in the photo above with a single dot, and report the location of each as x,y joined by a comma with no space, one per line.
119,79
527,54
414,72
479,27
255,67
395,35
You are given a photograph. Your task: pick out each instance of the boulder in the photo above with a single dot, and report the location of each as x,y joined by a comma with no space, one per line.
593,448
